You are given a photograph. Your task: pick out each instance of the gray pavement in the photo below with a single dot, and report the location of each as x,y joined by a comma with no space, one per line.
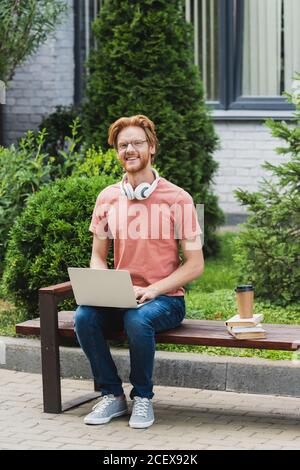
186,418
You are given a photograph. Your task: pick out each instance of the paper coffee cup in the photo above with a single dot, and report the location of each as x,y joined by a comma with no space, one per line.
244,299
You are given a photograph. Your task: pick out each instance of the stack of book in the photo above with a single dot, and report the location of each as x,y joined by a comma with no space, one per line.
246,328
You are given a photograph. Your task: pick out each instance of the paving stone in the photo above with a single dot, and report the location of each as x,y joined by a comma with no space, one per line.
182,423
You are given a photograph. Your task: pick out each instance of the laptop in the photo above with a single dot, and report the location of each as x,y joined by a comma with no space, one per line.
103,288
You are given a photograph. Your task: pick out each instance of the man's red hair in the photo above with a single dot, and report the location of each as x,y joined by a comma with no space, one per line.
139,121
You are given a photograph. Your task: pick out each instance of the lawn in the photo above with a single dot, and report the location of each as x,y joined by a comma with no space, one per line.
9,316
211,297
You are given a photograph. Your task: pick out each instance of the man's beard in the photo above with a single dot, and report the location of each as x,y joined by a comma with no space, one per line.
142,164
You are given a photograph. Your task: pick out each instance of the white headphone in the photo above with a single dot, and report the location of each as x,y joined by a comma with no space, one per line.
142,191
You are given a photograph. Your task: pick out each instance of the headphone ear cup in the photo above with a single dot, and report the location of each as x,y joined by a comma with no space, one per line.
128,190
141,191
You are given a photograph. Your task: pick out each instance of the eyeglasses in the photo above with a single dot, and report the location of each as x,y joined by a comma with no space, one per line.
136,144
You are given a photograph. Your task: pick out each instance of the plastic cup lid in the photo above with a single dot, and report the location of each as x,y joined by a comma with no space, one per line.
244,288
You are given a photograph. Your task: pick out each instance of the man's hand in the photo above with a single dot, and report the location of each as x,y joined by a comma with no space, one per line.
145,293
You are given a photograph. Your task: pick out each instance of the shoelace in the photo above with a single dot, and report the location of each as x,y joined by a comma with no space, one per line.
104,402
141,406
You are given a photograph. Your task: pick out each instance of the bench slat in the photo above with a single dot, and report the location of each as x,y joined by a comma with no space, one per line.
190,332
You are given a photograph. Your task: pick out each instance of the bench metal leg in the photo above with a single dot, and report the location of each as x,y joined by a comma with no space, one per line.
80,400
51,361
50,353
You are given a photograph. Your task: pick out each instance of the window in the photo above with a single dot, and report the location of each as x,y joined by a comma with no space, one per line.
85,11
205,17
247,50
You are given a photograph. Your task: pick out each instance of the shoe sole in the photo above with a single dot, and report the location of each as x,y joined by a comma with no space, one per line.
141,425
104,420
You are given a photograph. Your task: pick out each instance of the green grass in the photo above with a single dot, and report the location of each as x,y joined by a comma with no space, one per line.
9,316
219,272
211,297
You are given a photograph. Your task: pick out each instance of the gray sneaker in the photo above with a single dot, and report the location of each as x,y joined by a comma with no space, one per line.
142,413
107,408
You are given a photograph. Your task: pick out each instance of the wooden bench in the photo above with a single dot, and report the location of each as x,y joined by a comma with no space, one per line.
54,326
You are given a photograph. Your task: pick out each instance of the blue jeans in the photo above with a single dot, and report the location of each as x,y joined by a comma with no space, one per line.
162,313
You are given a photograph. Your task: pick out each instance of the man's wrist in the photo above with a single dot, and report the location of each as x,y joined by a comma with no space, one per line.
156,289
98,265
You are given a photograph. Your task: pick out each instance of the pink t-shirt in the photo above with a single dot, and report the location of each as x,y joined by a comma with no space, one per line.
146,233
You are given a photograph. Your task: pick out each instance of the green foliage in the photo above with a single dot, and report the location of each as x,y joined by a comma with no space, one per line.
60,129
71,157
22,172
24,25
96,162
143,64
9,317
50,235
268,249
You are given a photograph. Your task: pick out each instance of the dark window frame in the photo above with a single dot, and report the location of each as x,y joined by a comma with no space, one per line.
78,59
230,66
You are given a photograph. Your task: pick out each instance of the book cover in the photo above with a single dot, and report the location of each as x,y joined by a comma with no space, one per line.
237,321
246,329
247,333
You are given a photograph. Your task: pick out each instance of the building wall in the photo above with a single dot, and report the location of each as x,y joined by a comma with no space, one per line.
245,146
44,81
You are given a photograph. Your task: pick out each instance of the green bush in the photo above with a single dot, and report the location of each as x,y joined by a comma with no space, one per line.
50,235
96,162
59,129
268,250
143,64
22,172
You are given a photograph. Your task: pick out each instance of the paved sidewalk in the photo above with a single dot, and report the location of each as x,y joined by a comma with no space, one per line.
185,419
